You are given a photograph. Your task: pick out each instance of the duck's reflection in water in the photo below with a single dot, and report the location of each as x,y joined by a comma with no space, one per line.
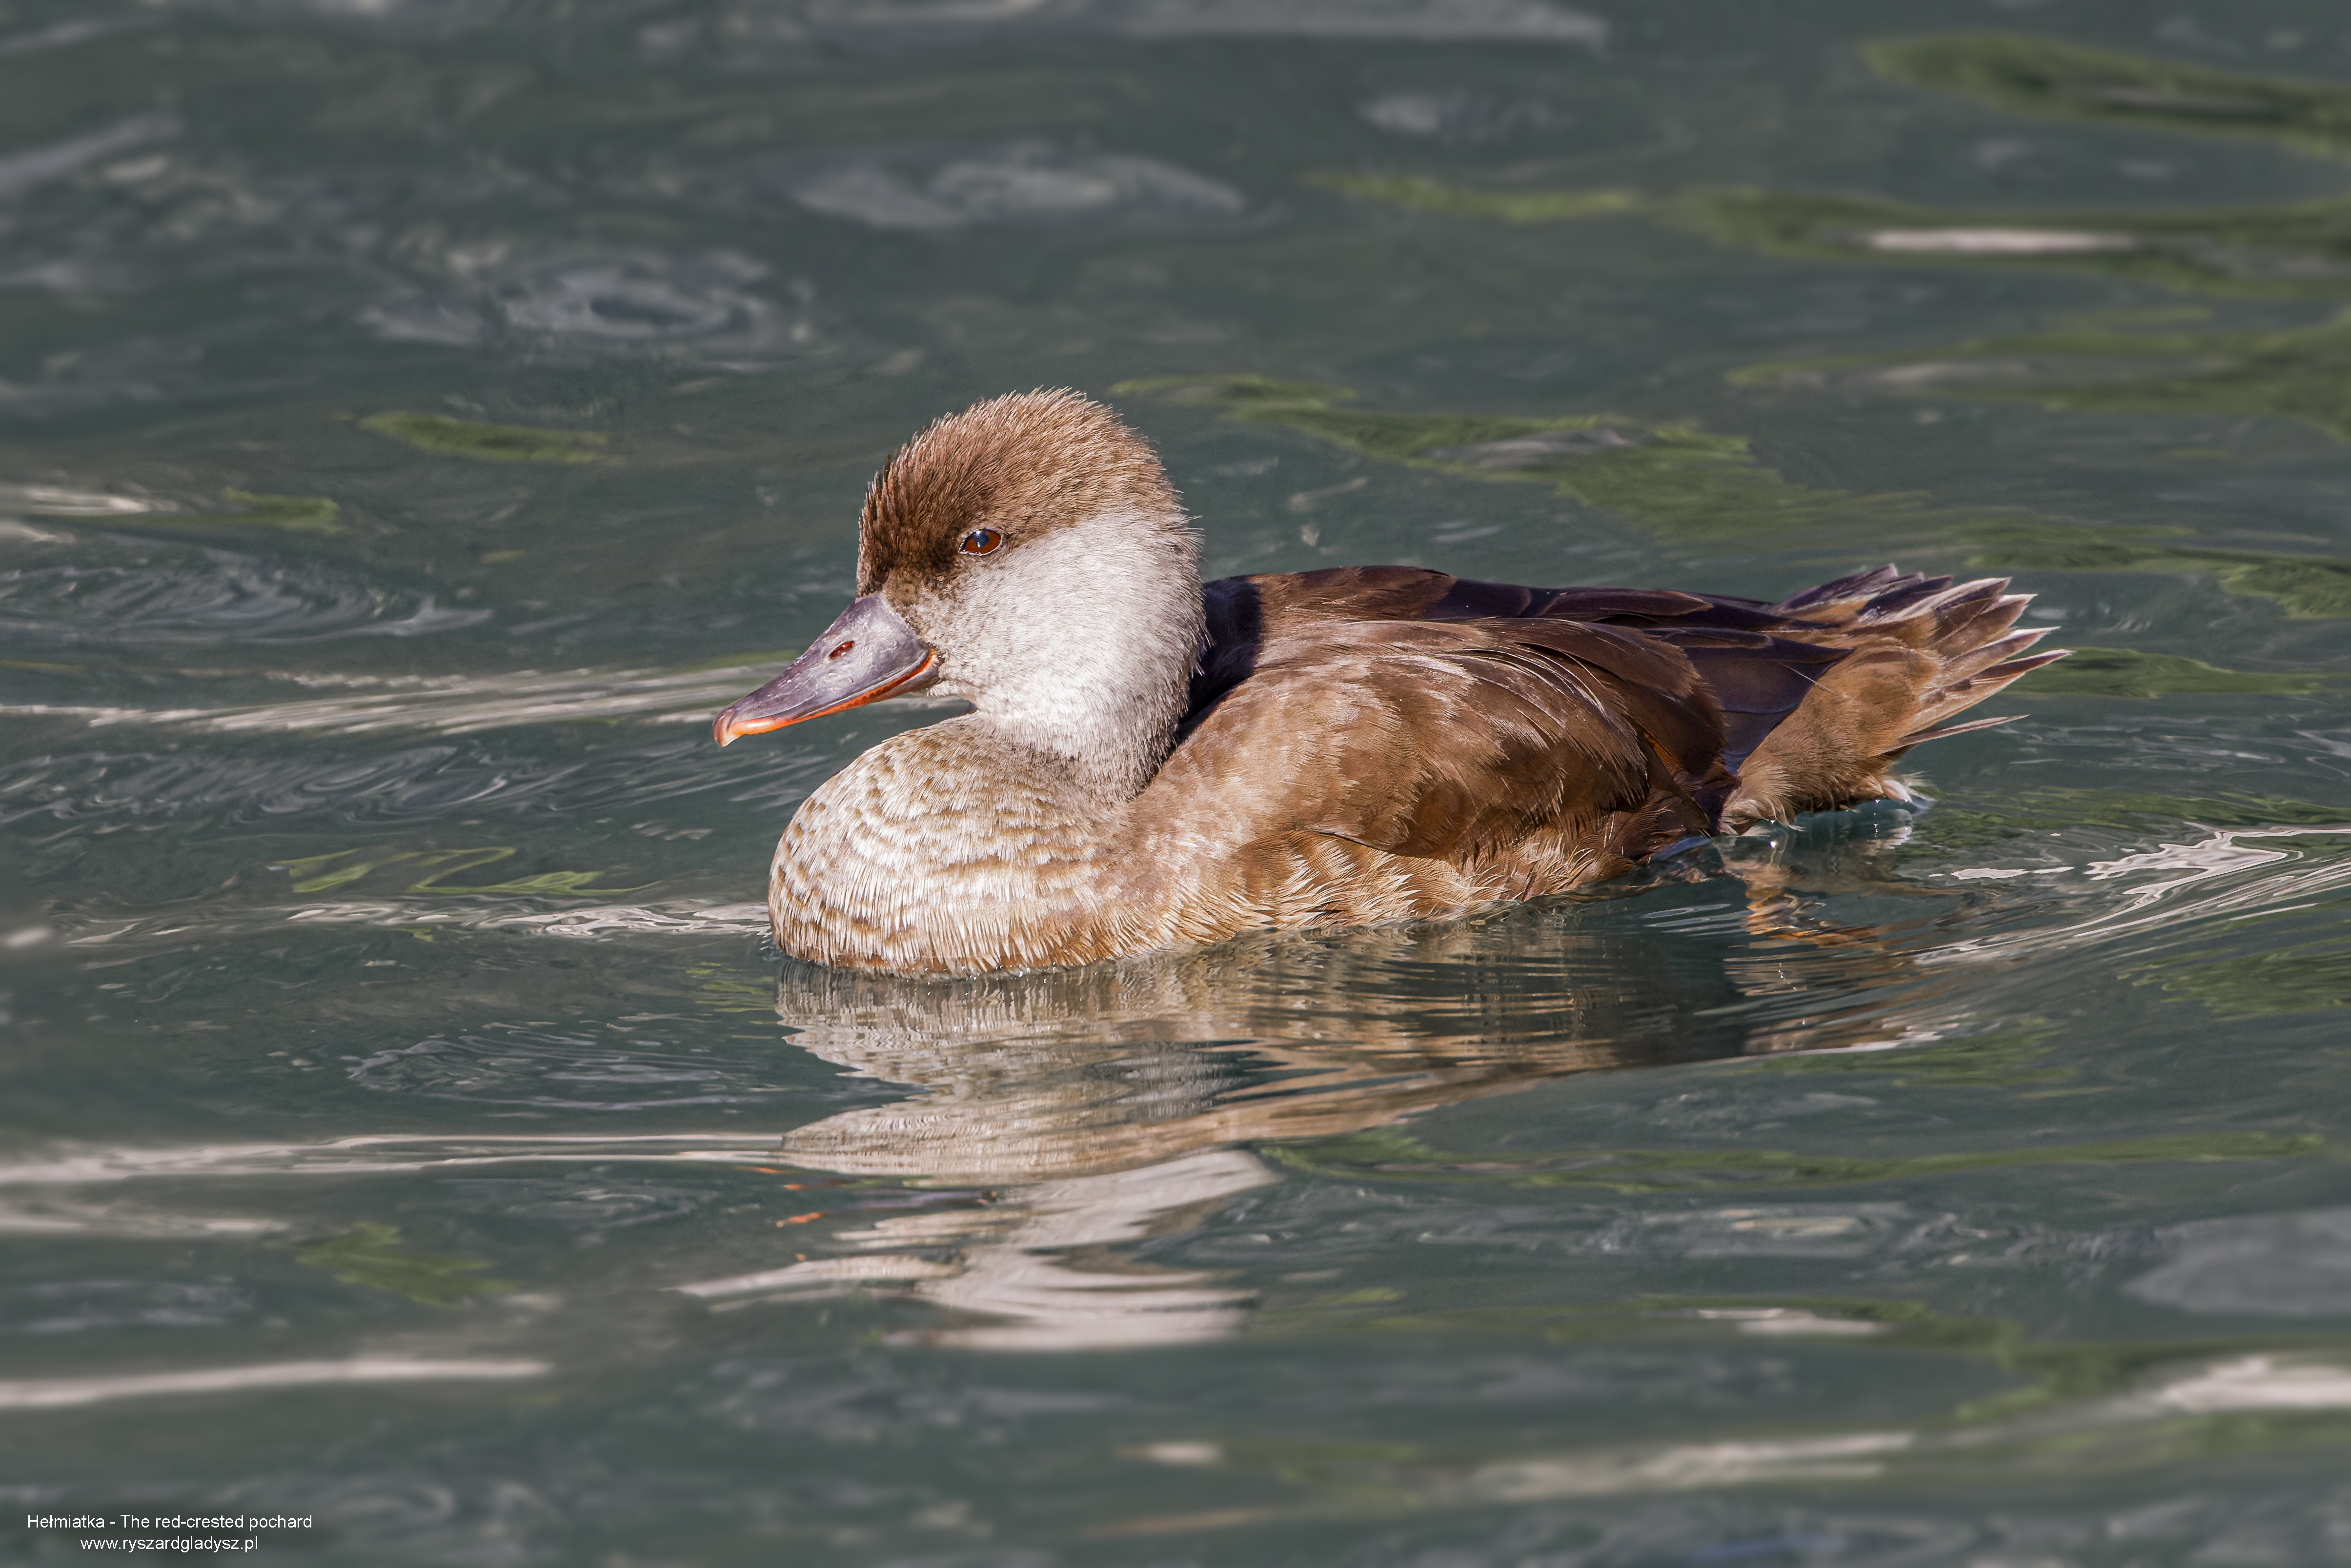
1103,1107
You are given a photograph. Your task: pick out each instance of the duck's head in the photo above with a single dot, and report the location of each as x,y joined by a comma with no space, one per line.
1027,554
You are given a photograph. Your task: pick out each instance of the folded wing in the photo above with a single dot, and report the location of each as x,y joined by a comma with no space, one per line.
1423,714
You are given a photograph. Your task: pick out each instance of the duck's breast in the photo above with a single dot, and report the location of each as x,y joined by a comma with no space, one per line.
934,851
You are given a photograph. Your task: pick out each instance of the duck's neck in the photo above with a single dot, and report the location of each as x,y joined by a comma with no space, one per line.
1096,681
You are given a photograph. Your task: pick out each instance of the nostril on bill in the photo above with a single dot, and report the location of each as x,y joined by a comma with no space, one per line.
844,648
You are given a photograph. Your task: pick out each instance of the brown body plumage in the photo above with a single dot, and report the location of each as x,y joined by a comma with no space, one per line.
1150,763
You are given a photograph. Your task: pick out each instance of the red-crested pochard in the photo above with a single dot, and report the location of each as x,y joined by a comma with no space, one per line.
1150,762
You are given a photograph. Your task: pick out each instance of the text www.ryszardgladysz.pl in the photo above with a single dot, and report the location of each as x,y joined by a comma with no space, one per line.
179,1533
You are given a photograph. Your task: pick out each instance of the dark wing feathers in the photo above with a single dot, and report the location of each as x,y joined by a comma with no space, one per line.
1756,679
1469,600
1451,740
1506,707
1878,585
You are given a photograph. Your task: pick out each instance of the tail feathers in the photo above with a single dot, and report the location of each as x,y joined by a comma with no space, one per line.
1956,696
1959,622
1920,736
1919,651
1850,594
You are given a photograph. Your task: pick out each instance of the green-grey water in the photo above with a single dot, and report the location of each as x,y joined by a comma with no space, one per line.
418,416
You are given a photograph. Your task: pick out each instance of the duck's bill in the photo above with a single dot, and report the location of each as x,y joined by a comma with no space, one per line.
865,655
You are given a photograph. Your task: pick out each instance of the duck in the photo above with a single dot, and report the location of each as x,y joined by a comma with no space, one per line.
1152,762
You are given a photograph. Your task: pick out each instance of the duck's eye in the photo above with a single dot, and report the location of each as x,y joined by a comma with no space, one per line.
981,541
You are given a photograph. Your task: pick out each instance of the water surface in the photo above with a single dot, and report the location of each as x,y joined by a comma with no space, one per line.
418,416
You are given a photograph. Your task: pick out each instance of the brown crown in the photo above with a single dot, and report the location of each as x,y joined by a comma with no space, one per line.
1023,464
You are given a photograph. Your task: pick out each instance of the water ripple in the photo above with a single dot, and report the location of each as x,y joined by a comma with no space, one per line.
584,305
1020,183
21,171
556,1072
78,1306
2285,1265
67,1165
2235,873
763,28
412,782
456,704
61,1392
209,596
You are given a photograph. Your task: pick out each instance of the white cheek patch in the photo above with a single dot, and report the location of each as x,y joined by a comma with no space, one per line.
1080,642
